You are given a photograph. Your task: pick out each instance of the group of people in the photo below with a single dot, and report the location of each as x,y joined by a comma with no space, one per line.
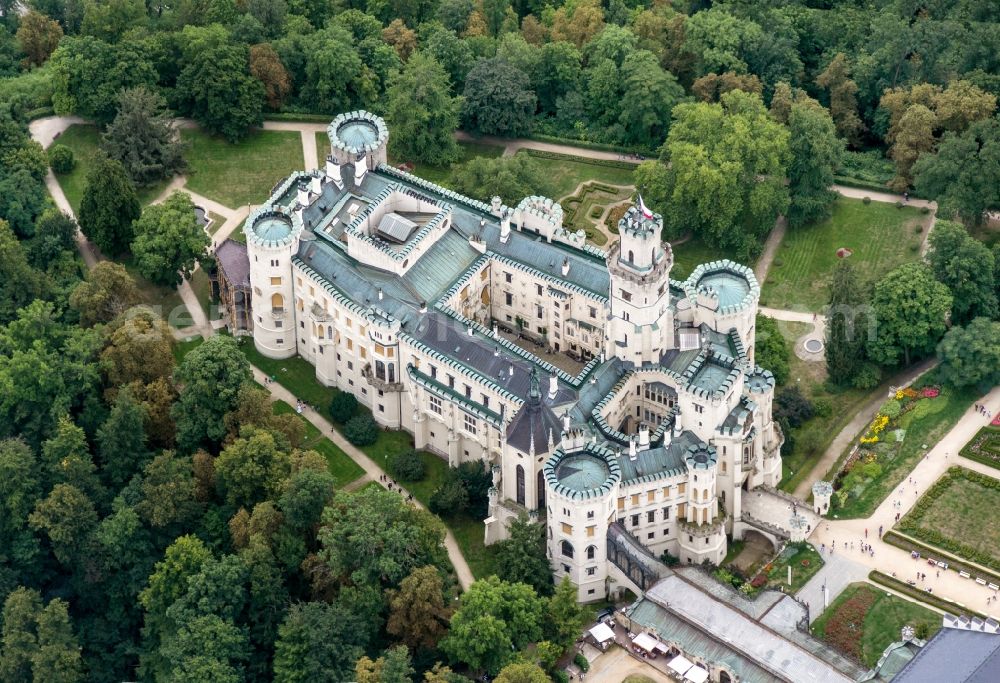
983,411
393,486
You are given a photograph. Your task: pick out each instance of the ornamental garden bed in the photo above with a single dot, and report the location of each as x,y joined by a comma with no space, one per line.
984,447
905,428
864,620
956,514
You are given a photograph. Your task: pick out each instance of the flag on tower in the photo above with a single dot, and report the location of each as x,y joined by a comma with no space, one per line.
645,209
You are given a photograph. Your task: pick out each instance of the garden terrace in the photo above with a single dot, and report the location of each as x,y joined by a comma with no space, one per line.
984,447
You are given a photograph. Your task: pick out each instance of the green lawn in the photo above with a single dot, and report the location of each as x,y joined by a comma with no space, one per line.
863,620
469,532
84,140
439,174
881,237
241,173
165,300
926,424
295,374
342,467
564,175
804,560
691,253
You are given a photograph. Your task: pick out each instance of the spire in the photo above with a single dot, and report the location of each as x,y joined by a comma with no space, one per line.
534,392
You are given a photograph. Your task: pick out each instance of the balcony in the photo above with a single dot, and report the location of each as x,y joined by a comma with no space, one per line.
278,313
378,383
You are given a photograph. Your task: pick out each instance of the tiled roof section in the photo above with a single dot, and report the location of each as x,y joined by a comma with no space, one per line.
551,472
234,262
957,656
535,424
657,463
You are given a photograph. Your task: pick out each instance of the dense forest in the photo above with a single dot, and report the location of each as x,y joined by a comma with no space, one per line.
159,522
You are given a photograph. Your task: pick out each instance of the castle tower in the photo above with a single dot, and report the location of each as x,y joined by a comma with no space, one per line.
641,325
358,138
272,238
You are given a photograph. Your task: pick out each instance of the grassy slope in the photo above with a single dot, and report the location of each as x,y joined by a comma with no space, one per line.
883,622
242,173
880,235
343,469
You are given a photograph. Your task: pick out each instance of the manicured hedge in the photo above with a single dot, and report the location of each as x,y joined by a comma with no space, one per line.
987,439
610,163
911,522
298,118
923,596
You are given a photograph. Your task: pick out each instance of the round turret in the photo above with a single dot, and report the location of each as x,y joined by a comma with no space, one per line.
272,239
358,136
822,492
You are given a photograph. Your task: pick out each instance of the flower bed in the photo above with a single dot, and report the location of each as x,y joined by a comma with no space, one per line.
984,447
846,626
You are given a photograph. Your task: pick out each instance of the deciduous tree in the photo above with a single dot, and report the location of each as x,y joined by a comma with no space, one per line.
392,667
418,611
771,350
122,448
510,178
847,320
836,79
55,233
106,293
498,99
66,516
521,556
522,672
914,135
210,377
266,67
38,36
965,265
251,469
139,348
911,308
169,240
422,113
970,355
816,152
318,642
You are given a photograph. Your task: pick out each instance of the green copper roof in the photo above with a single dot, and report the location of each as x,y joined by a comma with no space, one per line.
730,287
272,227
582,472
357,134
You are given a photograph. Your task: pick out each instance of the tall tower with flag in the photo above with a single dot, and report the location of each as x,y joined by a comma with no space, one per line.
642,326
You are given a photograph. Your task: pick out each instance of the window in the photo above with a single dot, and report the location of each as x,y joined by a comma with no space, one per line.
590,514
520,485
666,514
699,408
651,516
302,324
539,289
381,408
538,312
275,281
566,548
635,520
279,323
593,312
434,372
451,382
471,424
509,298
350,344
650,535
591,552
486,401
507,277
468,391
277,303
435,404
590,531
626,296
281,341
591,571
566,528
350,365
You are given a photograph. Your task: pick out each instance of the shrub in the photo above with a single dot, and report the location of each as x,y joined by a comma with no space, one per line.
560,676
822,407
449,499
581,662
914,247
669,560
867,377
343,407
891,408
919,229
866,201
407,466
792,404
899,205
361,430
778,263
61,159
925,210
758,581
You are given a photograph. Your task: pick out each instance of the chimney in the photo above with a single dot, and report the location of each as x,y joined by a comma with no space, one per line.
303,194
316,185
631,449
379,293
495,204
472,332
510,370
566,424
496,331
360,169
565,267
333,171
505,227
644,437
423,307
553,386
677,424
298,214
496,351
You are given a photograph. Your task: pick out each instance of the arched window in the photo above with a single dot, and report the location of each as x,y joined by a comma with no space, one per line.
724,677
652,254
566,548
380,370
277,303
541,490
591,552
520,485
631,256
329,331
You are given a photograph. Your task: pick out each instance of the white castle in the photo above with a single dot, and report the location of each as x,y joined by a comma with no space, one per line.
605,397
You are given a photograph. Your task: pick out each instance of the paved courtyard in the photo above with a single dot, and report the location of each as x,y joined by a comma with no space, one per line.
615,665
